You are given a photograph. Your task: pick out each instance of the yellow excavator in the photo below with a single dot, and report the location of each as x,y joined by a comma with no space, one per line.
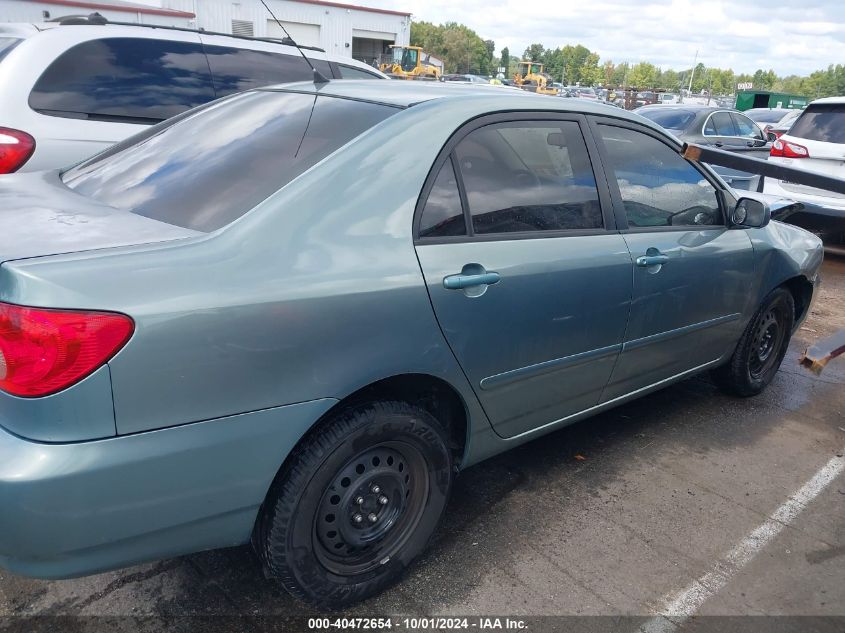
530,76
406,62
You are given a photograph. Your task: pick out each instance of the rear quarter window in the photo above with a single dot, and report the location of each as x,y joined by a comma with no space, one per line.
212,166
821,122
238,69
124,79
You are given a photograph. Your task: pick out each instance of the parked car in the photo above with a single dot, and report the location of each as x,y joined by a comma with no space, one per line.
201,348
709,125
782,127
766,118
815,142
74,87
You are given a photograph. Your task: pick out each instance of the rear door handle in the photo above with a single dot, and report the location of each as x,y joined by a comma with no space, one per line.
652,260
458,282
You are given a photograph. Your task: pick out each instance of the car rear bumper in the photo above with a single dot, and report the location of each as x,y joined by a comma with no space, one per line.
824,216
80,508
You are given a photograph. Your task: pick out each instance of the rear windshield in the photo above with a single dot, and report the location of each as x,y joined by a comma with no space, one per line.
821,122
670,119
6,45
212,165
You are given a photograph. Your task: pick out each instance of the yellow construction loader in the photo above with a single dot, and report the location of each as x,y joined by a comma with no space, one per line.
530,76
406,62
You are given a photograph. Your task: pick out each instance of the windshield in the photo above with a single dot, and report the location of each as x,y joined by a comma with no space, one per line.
6,45
821,122
766,116
405,57
670,118
217,162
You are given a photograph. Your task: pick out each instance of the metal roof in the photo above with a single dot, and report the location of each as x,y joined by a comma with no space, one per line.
119,5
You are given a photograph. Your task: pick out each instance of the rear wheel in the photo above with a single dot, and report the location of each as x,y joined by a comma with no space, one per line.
357,502
761,349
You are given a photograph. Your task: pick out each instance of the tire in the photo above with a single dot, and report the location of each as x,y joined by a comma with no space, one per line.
761,348
356,503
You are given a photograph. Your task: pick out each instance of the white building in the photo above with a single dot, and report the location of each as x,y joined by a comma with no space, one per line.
339,28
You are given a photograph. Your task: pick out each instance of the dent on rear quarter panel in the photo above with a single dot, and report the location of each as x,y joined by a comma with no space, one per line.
311,295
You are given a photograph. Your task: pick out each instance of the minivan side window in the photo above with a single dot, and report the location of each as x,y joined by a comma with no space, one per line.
136,80
529,176
658,187
238,69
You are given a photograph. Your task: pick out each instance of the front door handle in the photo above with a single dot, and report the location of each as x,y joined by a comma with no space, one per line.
459,282
652,260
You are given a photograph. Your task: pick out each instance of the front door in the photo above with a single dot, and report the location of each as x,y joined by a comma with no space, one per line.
530,285
692,274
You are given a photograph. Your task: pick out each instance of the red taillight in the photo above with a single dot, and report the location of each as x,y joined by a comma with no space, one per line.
787,149
43,351
15,149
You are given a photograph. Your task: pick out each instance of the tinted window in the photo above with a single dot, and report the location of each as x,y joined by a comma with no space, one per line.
6,45
124,78
745,126
348,72
720,124
239,69
442,214
528,177
669,118
821,122
214,165
658,187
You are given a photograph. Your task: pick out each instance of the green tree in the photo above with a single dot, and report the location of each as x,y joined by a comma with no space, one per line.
506,60
533,53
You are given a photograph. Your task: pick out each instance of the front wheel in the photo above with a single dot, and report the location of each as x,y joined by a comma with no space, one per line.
761,349
356,503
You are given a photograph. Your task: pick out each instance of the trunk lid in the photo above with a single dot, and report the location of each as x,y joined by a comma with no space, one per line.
39,216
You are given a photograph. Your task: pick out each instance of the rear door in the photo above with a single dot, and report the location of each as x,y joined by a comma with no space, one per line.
820,131
529,280
692,275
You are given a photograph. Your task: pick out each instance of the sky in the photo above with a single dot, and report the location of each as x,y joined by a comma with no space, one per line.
789,36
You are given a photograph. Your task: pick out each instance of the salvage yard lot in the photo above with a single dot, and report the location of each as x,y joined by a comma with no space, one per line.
614,515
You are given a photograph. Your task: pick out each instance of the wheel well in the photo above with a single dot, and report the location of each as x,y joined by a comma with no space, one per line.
802,293
432,394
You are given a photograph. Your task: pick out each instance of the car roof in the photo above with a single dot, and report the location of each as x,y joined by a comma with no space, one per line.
837,100
409,93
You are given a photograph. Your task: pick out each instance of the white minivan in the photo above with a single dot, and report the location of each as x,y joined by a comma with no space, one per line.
74,87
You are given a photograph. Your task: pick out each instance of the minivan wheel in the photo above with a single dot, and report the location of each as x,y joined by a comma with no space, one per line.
356,503
761,349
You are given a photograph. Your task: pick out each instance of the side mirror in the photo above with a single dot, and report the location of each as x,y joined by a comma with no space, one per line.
751,214
771,137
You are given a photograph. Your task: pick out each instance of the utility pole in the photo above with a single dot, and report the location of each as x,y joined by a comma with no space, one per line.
692,74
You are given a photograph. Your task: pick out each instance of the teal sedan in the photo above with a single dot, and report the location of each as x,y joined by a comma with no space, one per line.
292,316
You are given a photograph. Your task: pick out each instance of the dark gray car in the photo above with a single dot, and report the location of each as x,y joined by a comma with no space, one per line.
720,127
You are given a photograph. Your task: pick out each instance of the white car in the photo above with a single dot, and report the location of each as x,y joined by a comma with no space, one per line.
815,142
73,88
766,118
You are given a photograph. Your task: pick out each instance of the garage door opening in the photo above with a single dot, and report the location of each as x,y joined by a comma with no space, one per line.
369,46
301,33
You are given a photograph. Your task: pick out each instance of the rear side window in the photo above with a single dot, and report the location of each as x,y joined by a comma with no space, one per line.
348,72
124,79
6,45
719,124
212,166
239,69
821,122
529,176
443,214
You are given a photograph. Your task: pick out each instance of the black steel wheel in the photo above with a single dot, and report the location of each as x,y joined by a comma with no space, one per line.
761,348
356,503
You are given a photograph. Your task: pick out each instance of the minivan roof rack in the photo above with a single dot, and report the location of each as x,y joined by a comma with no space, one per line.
100,20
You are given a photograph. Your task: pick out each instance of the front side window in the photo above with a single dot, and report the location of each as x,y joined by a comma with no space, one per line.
124,79
215,164
527,177
745,127
239,69
657,186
